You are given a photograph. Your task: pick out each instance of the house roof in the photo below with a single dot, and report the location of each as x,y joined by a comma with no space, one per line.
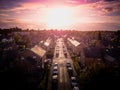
38,50
92,52
74,42
27,53
109,58
47,42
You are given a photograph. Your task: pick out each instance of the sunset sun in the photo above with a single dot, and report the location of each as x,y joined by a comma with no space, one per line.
58,18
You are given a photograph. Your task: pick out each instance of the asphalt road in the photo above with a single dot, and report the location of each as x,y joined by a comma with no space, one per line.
63,81
63,77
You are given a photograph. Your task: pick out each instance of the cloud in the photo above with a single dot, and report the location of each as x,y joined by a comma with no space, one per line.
110,0
3,15
107,7
8,4
8,20
95,26
23,25
30,13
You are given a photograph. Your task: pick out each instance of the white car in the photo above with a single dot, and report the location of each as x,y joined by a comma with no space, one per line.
55,67
55,78
76,88
55,64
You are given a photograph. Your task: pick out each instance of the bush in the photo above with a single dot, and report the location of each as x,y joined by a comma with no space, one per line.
43,83
77,67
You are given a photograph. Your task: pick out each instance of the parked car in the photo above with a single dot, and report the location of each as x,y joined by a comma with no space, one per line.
55,70
56,64
70,71
64,50
54,82
68,64
76,88
57,55
54,78
73,81
65,54
55,67
57,51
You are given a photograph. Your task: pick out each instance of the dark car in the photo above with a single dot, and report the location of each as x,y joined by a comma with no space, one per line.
57,55
73,81
70,71
65,55
68,64
54,82
55,70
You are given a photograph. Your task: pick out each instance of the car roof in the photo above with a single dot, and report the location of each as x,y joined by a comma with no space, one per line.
68,62
70,68
55,76
55,67
76,88
55,63
73,78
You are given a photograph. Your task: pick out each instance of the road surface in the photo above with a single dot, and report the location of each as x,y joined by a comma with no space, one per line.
63,77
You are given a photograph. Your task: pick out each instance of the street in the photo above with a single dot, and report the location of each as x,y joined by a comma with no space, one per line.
63,77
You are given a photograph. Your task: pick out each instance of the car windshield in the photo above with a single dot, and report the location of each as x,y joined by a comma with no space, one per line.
74,81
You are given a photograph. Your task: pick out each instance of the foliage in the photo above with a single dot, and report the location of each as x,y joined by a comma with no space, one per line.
50,54
93,73
18,38
42,85
77,66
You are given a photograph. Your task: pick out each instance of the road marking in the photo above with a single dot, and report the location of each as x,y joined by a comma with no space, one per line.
63,82
65,74
61,78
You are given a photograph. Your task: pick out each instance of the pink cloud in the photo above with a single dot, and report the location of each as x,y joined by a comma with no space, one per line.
92,15
104,8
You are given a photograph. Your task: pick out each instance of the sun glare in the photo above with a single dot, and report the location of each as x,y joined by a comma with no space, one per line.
58,18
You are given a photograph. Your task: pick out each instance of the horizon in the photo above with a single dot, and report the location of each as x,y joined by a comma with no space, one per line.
79,15
27,29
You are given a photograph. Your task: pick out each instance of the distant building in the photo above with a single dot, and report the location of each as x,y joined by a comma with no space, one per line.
40,52
7,42
47,44
112,56
8,49
91,54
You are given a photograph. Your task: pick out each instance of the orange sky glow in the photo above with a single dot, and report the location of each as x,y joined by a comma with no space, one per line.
61,14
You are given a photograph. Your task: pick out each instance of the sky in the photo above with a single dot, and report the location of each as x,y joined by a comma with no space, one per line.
60,14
